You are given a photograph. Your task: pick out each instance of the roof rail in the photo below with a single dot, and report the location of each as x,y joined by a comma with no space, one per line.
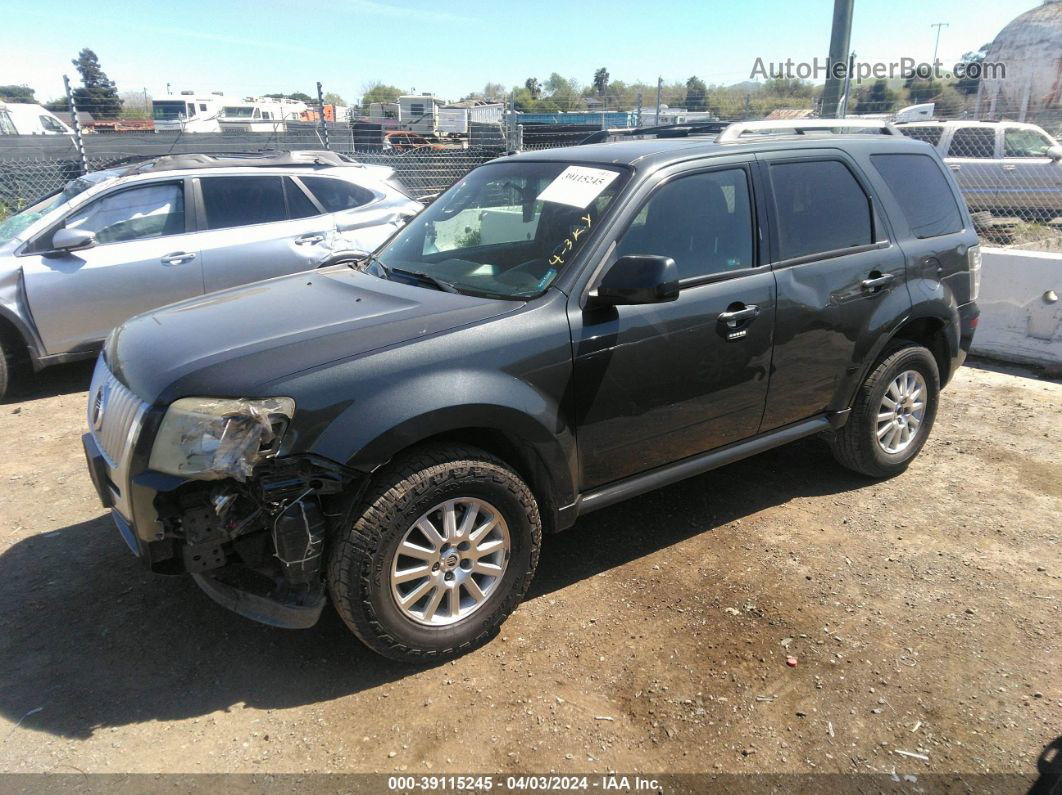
681,130
305,157
803,126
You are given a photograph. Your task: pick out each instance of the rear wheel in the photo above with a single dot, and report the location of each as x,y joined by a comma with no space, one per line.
892,415
437,555
9,365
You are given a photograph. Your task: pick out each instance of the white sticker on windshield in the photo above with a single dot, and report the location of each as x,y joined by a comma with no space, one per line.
578,186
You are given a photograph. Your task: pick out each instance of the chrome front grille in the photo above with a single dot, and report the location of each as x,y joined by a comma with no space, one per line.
114,415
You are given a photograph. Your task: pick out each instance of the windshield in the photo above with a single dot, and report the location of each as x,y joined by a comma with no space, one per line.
236,112
11,227
507,229
167,110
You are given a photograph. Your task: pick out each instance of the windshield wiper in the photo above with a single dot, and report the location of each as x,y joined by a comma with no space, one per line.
424,278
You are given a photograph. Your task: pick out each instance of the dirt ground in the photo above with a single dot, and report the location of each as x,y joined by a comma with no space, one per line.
924,613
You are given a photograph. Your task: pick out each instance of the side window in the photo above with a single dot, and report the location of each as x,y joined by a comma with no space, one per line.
973,142
299,206
7,127
135,214
931,135
1025,143
922,192
191,109
202,106
51,125
703,222
337,195
242,201
819,207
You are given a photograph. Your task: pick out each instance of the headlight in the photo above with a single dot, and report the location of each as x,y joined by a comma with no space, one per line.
215,438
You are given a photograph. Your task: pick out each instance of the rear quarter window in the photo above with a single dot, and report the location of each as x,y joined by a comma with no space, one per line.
336,195
931,135
924,195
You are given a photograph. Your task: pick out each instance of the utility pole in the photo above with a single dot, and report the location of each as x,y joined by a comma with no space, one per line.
320,107
936,44
659,86
839,41
168,88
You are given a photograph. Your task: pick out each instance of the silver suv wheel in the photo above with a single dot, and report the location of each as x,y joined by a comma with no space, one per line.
450,561
902,411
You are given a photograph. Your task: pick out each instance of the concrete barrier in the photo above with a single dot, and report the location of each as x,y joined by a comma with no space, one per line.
1021,310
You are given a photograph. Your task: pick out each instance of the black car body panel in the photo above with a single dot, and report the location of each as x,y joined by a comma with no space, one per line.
588,403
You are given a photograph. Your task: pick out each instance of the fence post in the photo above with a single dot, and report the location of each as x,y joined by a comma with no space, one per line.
320,108
79,144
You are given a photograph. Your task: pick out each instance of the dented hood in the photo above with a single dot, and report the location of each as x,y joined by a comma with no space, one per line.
234,342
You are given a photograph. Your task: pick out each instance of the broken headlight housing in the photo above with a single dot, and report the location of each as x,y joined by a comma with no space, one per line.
213,438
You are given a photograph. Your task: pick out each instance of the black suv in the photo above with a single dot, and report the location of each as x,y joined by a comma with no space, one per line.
559,331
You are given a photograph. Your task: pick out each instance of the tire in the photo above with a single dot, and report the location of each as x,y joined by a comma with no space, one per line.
856,445
365,559
9,365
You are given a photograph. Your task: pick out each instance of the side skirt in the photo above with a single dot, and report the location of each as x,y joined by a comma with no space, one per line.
695,465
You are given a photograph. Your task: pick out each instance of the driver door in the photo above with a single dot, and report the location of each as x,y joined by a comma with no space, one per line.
144,257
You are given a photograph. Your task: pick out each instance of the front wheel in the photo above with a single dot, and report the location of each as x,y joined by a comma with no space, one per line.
437,555
892,415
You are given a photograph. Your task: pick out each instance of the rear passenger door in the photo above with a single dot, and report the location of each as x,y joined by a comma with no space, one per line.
839,279
973,156
258,226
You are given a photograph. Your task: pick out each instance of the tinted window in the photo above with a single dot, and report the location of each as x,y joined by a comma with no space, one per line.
931,135
299,204
51,125
150,211
703,222
240,201
973,142
1025,143
336,195
922,192
819,206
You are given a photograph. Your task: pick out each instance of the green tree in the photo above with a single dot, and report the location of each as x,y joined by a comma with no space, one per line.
696,94
136,105
534,88
494,91
601,81
18,94
332,98
98,95
788,87
301,97
968,85
378,92
875,98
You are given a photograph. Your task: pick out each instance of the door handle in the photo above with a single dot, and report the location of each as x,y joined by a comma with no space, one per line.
875,282
736,316
1009,166
177,257
312,237
954,166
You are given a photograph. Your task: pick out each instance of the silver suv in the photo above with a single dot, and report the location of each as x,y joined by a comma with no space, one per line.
116,243
1003,167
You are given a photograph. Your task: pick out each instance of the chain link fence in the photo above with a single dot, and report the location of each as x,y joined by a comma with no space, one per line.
1009,172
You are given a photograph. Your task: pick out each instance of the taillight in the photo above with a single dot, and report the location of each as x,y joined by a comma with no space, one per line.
973,260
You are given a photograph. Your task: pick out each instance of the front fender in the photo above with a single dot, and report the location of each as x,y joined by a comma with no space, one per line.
367,433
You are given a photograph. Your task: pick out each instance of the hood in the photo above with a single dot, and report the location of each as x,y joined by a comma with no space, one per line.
234,342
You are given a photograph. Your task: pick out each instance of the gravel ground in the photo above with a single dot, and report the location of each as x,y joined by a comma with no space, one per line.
924,614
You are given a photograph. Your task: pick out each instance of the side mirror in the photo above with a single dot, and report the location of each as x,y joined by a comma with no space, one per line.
71,239
1055,153
638,279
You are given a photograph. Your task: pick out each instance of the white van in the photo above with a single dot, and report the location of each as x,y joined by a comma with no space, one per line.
17,118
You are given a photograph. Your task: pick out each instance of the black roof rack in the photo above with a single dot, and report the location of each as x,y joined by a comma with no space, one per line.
660,131
310,158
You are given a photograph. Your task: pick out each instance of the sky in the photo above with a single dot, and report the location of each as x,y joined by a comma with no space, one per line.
453,48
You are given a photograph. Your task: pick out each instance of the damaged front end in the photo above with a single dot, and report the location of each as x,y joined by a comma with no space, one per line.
250,526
